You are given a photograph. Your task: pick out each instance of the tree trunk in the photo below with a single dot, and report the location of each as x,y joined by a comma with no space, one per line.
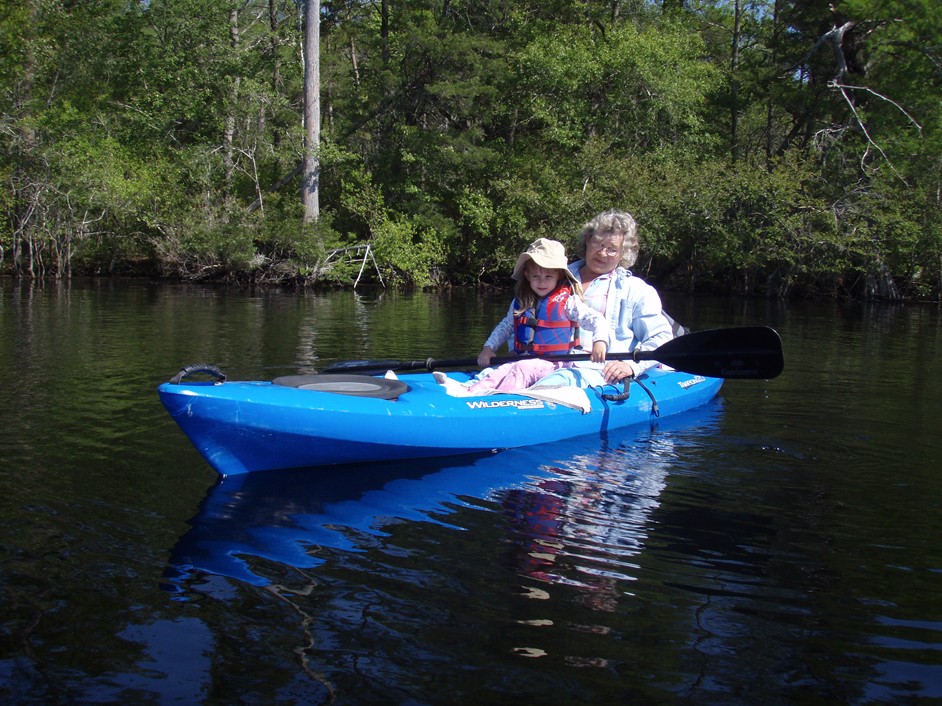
26,202
773,59
276,82
310,178
384,31
734,83
229,130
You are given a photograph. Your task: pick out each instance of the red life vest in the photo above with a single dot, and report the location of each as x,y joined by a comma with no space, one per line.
548,329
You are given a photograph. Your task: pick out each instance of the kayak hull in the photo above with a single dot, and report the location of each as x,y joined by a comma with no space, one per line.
242,427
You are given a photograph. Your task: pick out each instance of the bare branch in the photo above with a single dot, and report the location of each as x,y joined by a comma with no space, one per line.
835,84
866,133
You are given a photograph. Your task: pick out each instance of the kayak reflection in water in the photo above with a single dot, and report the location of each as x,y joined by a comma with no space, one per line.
252,523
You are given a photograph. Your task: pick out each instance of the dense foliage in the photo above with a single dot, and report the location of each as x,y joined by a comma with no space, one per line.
764,147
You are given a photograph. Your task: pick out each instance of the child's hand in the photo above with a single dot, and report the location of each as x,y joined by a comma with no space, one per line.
485,356
598,351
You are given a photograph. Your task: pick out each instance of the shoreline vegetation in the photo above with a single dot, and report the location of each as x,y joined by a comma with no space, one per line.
781,150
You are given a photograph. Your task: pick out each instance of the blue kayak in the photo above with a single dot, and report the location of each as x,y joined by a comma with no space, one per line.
322,420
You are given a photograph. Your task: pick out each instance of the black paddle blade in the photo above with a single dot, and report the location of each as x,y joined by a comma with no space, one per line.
745,353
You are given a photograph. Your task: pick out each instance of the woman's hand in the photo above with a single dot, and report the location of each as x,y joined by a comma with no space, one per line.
598,351
616,371
485,356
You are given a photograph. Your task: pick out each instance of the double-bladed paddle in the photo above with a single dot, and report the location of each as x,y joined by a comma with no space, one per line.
744,352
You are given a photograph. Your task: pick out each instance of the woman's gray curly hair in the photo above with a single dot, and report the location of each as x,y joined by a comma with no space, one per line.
612,222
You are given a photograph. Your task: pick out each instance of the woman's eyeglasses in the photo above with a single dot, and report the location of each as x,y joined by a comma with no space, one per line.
605,250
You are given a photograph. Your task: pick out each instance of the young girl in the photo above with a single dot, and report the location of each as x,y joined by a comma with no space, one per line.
544,319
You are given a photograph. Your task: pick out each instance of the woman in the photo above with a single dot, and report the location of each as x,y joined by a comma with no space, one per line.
608,246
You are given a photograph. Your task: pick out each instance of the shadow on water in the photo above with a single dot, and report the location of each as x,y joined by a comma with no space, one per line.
291,517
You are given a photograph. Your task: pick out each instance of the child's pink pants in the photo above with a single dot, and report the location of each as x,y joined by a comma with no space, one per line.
514,376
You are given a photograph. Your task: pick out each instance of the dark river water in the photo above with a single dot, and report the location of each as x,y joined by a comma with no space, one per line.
779,545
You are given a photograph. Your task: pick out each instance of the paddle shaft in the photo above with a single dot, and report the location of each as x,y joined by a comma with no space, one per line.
745,352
